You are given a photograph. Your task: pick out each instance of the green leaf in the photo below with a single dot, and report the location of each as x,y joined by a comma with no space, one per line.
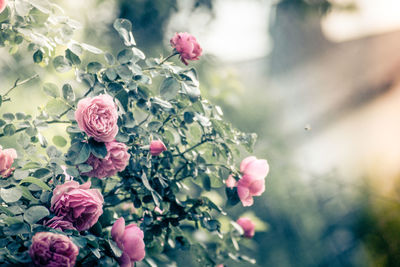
98,149
125,56
91,48
51,89
94,67
61,64
81,152
68,92
188,117
35,181
11,195
35,214
169,88
124,29
28,195
206,181
9,130
55,106
232,195
72,57
38,56
110,59
59,141
115,249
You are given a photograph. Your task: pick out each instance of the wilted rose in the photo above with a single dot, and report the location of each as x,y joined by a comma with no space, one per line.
7,157
116,160
252,182
157,147
130,240
98,117
248,226
77,204
187,46
53,250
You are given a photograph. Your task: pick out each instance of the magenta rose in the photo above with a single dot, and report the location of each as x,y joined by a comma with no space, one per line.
248,227
187,46
77,204
130,240
116,160
7,157
252,182
59,223
3,5
97,117
53,250
157,147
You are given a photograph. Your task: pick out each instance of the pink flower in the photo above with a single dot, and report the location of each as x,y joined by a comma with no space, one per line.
77,204
53,250
3,5
130,240
157,147
252,182
248,227
7,157
230,182
116,160
187,46
59,223
98,117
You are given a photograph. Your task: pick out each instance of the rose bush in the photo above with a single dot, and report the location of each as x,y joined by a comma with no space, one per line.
141,146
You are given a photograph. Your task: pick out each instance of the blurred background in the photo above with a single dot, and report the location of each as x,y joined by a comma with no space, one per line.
317,80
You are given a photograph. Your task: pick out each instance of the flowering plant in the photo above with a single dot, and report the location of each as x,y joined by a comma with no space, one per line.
128,181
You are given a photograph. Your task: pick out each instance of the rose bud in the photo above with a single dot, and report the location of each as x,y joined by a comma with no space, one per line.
7,157
116,160
130,240
50,250
252,182
98,117
186,45
157,147
77,204
248,227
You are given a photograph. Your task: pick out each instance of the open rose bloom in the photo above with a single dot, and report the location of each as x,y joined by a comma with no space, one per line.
116,160
252,182
130,240
7,157
187,46
53,250
98,117
77,204
3,5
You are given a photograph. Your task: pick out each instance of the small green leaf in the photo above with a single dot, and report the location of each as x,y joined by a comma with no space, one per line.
94,67
91,48
68,92
110,59
38,56
11,195
51,89
125,56
9,130
98,149
115,249
35,214
61,64
56,106
59,141
72,57
83,153
169,88
35,181
124,29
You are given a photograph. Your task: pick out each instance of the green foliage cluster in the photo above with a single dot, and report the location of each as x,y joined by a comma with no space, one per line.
201,153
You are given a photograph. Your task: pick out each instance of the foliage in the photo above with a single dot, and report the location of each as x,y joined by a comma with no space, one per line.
201,153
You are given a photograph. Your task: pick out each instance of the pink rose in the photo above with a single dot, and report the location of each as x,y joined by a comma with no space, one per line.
7,157
3,5
157,147
252,182
116,160
130,240
53,250
230,182
248,227
187,46
77,204
98,117
59,223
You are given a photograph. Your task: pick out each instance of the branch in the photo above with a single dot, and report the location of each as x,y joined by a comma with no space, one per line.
48,122
18,83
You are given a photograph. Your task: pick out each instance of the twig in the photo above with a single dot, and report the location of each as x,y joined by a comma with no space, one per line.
18,83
